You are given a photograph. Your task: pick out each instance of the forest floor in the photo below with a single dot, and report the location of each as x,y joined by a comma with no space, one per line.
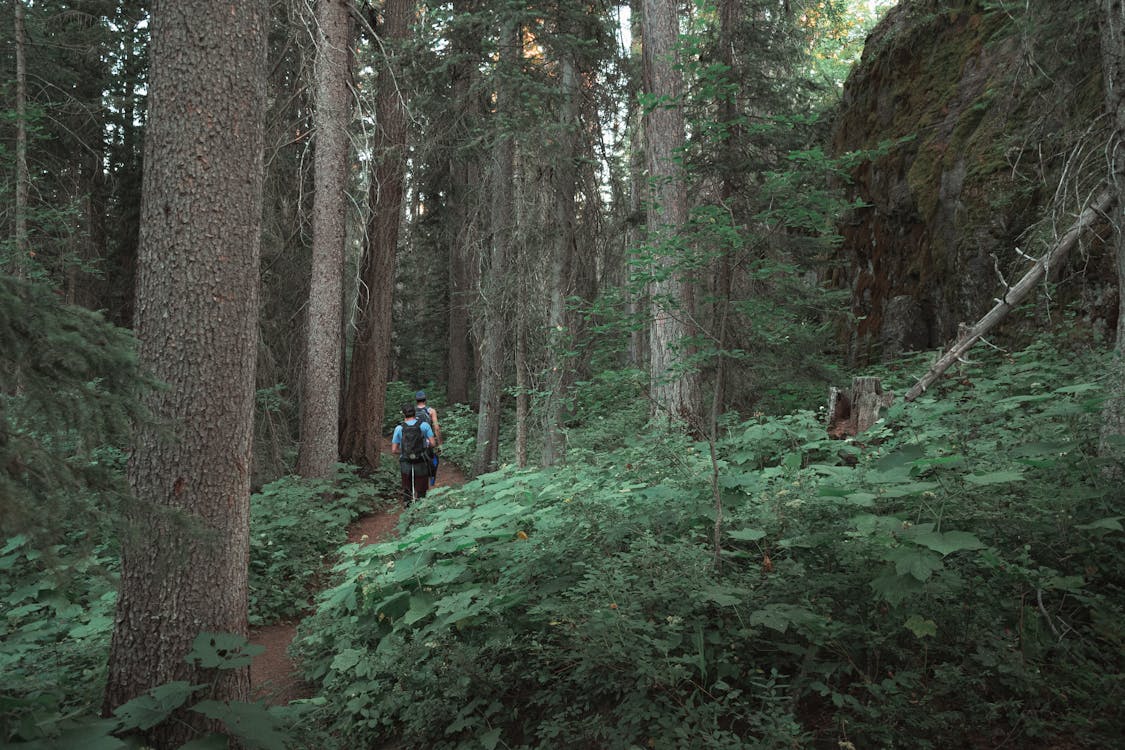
273,676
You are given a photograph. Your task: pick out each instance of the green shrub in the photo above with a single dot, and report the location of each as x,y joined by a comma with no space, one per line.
295,526
947,579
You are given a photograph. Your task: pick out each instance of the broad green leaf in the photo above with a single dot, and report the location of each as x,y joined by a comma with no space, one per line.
740,480
394,606
907,489
490,739
456,607
861,499
421,606
1109,524
253,723
780,616
724,596
902,457
994,477
14,542
495,508
407,567
1079,388
894,587
868,523
148,710
92,735
918,563
444,572
97,624
746,535
346,659
948,542
921,627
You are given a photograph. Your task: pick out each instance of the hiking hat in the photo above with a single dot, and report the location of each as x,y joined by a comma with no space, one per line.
420,396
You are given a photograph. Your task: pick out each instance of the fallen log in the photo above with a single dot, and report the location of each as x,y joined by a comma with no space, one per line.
1015,293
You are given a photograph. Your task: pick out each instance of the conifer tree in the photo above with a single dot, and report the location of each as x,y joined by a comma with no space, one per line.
674,384
371,351
320,395
186,541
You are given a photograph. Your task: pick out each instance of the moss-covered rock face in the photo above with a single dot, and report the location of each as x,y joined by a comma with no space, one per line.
983,111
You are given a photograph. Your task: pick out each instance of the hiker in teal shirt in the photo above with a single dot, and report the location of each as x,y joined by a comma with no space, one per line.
412,442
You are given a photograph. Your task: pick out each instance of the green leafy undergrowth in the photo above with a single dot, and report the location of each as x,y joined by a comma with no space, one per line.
251,725
54,633
952,577
295,526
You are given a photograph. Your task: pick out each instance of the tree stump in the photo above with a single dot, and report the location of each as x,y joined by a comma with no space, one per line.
852,412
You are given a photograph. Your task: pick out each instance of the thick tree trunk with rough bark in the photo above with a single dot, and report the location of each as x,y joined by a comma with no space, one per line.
674,389
371,352
464,191
185,545
320,392
1112,20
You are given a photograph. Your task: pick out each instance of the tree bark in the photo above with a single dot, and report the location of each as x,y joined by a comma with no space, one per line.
1015,294
855,411
674,386
523,382
494,285
185,545
561,329
371,351
23,179
320,393
1112,20
464,184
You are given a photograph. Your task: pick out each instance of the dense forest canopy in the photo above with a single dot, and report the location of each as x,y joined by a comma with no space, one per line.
628,250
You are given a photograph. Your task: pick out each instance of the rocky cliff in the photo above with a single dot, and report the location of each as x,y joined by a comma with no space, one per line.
983,123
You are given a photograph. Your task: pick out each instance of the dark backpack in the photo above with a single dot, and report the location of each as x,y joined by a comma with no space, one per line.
413,443
422,414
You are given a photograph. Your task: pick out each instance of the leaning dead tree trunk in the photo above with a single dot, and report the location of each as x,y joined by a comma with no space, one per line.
1015,294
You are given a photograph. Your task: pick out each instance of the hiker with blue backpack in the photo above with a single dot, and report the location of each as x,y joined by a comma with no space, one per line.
428,415
413,443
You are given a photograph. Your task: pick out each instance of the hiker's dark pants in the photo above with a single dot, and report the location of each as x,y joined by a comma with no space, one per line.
417,488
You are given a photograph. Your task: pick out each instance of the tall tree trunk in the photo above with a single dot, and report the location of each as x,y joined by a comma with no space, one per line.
637,349
494,280
674,387
560,320
95,242
126,185
320,394
523,381
371,352
184,549
23,179
464,185
729,189
1113,73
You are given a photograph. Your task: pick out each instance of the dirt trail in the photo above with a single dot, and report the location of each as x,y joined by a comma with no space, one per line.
273,676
